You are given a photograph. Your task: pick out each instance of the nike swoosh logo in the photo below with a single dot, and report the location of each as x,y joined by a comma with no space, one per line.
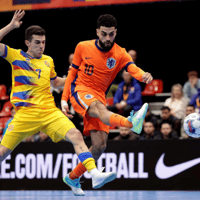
164,172
88,57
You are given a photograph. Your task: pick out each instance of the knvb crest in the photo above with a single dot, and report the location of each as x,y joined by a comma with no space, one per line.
111,63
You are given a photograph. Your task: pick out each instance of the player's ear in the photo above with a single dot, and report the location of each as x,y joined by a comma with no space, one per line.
115,31
97,31
27,43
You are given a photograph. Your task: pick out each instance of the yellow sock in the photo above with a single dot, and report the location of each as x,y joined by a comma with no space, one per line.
87,160
89,164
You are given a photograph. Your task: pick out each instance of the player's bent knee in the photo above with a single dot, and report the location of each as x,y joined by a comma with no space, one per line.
74,136
97,109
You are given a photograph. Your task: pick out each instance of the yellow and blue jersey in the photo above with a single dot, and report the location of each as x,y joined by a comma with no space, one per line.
30,79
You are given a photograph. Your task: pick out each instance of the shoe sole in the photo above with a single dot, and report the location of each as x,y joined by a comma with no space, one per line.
107,180
71,188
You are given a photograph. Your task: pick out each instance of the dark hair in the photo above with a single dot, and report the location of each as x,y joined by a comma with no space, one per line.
106,20
190,105
192,73
166,123
165,108
33,30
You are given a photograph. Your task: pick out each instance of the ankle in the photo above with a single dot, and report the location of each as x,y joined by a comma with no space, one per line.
93,172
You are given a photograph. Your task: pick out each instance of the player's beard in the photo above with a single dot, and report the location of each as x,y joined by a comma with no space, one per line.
104,47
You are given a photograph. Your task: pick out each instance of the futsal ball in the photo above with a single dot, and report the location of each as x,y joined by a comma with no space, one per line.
192,125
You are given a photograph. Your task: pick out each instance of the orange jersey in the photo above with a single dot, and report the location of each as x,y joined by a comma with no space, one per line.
97,69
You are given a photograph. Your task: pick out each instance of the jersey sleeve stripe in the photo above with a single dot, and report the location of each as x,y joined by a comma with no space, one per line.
74,94
128,65
5,52
25,104
75,66
53,78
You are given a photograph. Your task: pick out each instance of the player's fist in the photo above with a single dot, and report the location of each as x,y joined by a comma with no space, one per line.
65,109
16,20
147,77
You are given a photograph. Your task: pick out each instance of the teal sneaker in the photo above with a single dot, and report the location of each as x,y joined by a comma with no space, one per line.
74,185
138,118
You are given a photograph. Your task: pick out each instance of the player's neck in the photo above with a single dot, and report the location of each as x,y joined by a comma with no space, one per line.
32,55
98,43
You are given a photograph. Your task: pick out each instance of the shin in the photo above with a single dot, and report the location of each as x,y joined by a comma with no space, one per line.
99,140
4,152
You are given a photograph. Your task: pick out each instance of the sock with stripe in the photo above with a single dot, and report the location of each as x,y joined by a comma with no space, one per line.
87,164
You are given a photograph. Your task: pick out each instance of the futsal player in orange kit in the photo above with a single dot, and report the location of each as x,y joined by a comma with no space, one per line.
94,67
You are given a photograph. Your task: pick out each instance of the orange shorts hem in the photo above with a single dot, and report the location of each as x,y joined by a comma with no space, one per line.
81,101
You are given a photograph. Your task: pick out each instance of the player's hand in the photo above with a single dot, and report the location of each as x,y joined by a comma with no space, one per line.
16,20
65,109
147,77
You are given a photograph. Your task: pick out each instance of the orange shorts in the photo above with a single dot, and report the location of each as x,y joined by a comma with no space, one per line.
81,101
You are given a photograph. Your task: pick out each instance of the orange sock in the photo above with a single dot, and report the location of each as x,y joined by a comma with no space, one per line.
77,171
118,120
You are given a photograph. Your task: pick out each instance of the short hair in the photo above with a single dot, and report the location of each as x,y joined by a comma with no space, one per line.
192,73
148,121
167,123
190,105
33,30
179,86
106,20
165,108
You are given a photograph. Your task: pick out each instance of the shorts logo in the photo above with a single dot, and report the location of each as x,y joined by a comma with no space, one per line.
88,96
111,63
10,128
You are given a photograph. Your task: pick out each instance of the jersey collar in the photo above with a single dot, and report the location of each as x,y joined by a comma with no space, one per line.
28,56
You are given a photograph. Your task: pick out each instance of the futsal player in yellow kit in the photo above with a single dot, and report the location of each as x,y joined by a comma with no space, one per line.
32,73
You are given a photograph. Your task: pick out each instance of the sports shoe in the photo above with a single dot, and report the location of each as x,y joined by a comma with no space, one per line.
138,118
99,179
74,185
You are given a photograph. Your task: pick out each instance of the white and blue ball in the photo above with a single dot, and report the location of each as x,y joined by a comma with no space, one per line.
192,125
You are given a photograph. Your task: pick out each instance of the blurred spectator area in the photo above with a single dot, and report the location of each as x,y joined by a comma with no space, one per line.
152,94
5,107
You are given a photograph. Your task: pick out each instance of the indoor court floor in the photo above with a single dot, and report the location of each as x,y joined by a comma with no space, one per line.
100,195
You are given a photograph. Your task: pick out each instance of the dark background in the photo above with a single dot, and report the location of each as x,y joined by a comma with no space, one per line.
163,33
180,151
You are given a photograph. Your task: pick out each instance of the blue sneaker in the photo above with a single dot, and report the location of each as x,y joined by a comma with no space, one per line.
138,118
74,185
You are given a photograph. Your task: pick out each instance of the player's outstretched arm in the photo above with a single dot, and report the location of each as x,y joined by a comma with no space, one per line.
15,23
139,74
